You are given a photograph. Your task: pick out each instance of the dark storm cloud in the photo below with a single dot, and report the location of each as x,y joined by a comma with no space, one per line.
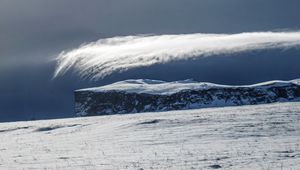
32,32
33,24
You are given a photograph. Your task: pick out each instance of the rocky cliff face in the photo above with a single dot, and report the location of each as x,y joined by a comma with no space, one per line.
133,96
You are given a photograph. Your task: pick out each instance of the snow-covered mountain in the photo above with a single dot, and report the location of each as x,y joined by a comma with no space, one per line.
143,95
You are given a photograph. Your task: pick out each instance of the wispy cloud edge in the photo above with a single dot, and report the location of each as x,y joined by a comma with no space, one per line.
99,59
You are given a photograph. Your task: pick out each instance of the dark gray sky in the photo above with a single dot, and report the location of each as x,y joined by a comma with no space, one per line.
33,32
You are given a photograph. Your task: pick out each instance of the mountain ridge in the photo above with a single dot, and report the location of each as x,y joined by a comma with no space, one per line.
145,95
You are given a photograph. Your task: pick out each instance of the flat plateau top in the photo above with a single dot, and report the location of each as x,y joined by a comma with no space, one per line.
162,87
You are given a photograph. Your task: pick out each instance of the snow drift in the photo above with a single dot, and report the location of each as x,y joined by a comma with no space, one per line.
101,58
247,138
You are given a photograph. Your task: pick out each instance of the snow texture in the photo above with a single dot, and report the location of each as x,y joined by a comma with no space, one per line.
166,88
243,137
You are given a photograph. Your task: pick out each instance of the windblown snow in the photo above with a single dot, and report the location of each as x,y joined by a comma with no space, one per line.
244,137
104,57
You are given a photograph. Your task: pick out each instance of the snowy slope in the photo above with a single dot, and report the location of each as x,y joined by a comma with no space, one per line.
244,137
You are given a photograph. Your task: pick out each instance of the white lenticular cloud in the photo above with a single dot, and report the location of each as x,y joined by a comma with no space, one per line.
106,56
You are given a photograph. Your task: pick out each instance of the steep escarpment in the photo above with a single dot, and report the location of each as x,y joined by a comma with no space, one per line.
133,96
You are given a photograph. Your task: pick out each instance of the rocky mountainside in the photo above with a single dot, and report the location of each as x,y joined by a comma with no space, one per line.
143,95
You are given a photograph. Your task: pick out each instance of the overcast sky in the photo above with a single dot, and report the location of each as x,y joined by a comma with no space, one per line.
33,32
